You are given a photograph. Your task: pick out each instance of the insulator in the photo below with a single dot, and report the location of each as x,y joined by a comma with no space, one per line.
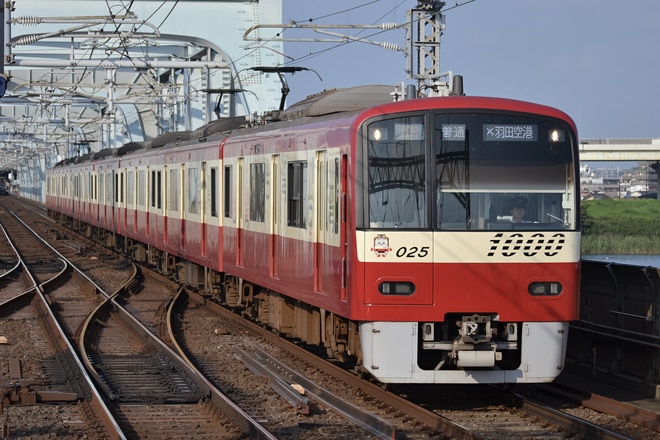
390,46
27,20
388,26
28,39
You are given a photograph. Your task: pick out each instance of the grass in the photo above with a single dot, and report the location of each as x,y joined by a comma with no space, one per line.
621,226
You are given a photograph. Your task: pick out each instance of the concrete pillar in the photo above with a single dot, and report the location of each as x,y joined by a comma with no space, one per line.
656,168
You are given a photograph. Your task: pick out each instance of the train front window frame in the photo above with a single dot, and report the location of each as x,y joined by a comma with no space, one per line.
396,173
474,165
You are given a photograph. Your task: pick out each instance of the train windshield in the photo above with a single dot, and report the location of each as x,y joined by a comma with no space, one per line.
470,171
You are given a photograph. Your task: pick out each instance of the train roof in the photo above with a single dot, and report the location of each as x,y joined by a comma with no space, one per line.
339,100
168,138
329,103
130,147
218,126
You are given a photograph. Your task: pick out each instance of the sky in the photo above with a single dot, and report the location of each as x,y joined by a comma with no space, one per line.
597,60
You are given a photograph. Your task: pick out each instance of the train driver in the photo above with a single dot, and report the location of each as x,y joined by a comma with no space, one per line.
518,209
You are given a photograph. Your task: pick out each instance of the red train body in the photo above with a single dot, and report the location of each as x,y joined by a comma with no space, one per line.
380,230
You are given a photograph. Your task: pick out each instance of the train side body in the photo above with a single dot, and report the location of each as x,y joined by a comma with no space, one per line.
394,221
293,253
165,206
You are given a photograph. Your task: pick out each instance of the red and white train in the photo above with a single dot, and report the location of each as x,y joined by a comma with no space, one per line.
383,231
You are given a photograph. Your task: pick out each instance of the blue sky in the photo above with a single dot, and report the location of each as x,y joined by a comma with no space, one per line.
598,60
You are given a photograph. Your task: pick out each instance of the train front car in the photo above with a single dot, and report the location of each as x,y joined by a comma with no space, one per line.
467,240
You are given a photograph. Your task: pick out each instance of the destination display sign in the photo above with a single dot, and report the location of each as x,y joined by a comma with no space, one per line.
511,132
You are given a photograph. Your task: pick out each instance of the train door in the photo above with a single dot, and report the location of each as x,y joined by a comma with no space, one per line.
239,212
97,208
115,201
147,193
119,205
74,196
119,209
319,221
113,184
340,191
166,202
123,192
332,247
107,185
185,200
155,207
129,200
275,222
85,195
65,191
101,203
202,208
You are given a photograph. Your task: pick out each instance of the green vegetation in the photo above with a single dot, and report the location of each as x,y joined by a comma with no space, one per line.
621,226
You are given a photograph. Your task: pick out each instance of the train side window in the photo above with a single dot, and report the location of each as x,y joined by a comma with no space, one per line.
296,194
214,192
156,189
141,187
228,193
257,192
153,189
174,191
109,196
159,187
193,190
101,188
116,187
130,188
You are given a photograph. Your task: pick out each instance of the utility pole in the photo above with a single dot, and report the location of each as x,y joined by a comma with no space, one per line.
425,25
5,13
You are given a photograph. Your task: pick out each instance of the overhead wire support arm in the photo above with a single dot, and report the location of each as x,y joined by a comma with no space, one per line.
347,38
315,27
30,39
31,20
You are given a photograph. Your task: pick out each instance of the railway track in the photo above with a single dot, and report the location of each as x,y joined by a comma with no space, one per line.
149,393
416,412
205,337
38,363
213,343
77,303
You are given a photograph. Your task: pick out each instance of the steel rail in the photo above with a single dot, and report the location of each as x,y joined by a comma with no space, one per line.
632,413
428,418
247,423
364,419
568,421
97,402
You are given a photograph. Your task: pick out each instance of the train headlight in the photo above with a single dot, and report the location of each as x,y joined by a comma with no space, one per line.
377,134
556,135
545,288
